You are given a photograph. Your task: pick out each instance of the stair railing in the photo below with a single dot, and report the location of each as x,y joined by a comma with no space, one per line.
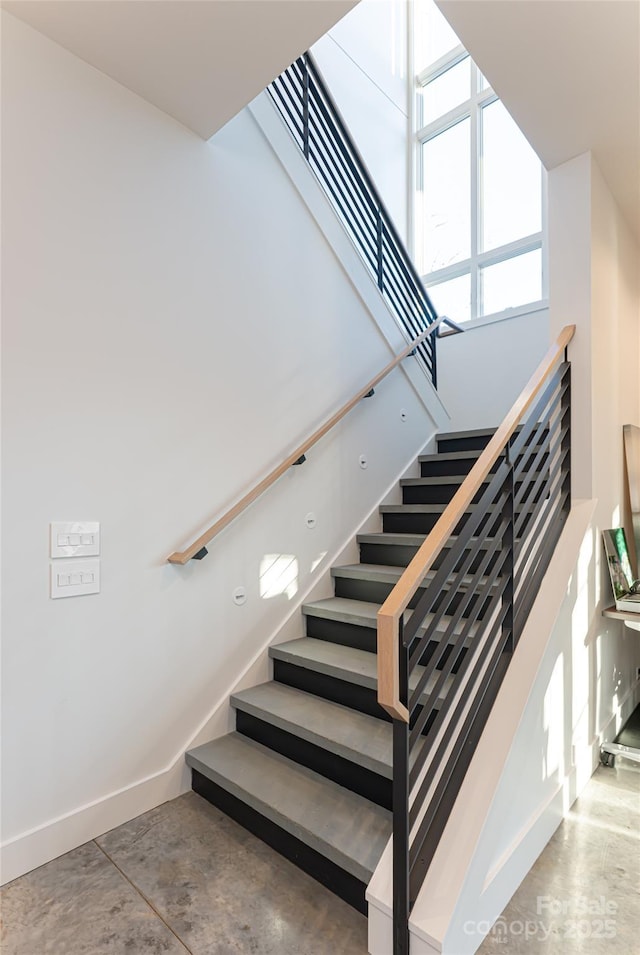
197,550
313,118
494,540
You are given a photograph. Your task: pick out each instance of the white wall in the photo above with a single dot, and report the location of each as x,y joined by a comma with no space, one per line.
174,323
364,61
482,371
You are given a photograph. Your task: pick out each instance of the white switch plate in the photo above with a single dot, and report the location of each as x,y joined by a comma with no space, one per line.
74,578
74,539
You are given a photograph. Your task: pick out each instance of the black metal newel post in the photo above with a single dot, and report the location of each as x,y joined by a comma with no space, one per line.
565,422
401,814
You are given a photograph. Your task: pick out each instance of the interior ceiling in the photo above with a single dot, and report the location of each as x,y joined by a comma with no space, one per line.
200,61
569,73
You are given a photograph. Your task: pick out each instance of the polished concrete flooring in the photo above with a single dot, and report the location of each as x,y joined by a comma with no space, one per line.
583,893
185,878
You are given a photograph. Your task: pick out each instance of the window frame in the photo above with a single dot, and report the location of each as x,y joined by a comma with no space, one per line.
477,260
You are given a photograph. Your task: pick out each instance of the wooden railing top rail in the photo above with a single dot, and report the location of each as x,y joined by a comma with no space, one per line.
398,600
183,556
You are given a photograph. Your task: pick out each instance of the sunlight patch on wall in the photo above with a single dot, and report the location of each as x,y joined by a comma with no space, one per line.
316,563
278,575
553,722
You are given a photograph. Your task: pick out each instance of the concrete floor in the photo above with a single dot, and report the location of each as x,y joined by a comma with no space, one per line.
185,878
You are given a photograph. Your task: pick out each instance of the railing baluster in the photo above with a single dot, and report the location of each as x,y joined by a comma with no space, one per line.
327,146
379,250
305,107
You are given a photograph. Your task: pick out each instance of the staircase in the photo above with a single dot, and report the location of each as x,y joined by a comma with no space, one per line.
309,767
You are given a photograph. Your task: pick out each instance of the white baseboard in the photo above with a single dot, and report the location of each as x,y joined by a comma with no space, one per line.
34,848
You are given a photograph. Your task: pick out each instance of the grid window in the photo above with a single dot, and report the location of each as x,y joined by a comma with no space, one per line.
479,196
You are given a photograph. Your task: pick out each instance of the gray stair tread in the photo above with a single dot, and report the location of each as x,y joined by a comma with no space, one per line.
343,663
474,433
382,573
382,537
448,456
344,827
451,479
417,508
433,508
414,540
365,614
345,609
355,736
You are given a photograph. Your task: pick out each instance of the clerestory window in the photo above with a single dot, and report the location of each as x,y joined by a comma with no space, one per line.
480,188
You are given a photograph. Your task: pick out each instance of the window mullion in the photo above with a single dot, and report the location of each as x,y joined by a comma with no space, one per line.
475,194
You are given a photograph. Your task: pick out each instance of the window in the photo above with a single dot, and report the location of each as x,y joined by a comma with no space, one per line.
479,202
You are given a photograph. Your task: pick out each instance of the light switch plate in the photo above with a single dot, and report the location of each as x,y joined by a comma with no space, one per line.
74,539
74,578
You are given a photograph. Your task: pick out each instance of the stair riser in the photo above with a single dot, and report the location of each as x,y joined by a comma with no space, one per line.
377,592
447,468
433,493
359,698
336,631
407,523
442,493
346,634
341,883
342,771
400,556
462,466
476,442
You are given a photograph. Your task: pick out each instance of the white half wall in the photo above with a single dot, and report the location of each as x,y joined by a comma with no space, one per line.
175,321
482,371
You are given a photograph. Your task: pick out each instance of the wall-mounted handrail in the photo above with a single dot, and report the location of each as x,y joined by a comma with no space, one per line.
195,549
314,120
398,600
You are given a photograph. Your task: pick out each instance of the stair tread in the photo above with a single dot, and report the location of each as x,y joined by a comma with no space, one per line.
473,433
433,508
385,573
411,540
386,537
360,738
448,456
365,613
342,662
348,829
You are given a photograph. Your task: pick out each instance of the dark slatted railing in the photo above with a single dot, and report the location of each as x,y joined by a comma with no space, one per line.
466,625
312,116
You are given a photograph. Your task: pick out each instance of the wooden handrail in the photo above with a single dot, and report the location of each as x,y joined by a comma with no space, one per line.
398,600
182,556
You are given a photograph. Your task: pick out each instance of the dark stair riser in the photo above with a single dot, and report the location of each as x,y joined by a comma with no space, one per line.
378,591
357,697
442,493
344,772
342,883
406,522
361,638
476,442
400,555
458,467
